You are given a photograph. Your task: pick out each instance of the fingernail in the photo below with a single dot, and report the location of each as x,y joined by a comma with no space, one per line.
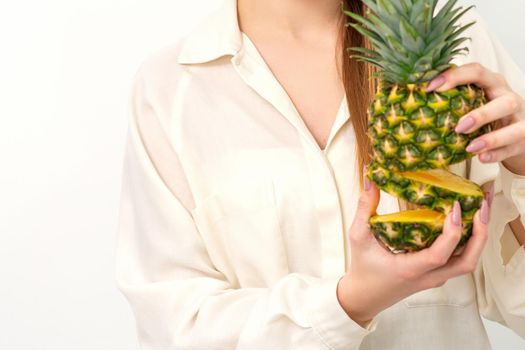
484,212
485,157
465,124
456,214
434,84
366,183
476,146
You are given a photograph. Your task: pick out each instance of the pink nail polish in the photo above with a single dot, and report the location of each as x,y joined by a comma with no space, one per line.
476,146
456,214
434,84
465,124
484,212
485,157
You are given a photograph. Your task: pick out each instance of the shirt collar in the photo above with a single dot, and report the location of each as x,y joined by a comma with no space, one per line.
217,36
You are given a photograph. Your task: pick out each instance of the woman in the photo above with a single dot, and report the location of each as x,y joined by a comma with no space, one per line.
243,225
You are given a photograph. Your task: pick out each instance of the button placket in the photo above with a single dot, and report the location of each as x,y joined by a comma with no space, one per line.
329,214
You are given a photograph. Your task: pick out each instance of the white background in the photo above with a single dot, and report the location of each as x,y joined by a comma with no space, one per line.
65,75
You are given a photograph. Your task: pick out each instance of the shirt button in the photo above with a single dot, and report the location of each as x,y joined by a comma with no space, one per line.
236,61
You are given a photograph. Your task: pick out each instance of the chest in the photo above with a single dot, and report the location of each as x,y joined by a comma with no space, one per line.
310,77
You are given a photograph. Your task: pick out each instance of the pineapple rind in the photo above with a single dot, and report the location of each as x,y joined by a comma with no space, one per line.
419,135
410,237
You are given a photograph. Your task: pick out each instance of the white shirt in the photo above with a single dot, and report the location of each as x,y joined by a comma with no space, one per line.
233,222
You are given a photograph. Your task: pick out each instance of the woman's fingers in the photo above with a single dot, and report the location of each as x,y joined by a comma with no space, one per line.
441,250
366,207
446,243
503,106
468,260
507,135
503,153
470,73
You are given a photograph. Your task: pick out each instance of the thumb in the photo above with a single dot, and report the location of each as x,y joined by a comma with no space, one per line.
366,207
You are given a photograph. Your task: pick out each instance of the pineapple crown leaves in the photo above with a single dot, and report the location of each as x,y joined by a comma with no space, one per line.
410,42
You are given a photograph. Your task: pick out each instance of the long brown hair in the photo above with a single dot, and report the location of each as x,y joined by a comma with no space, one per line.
358,82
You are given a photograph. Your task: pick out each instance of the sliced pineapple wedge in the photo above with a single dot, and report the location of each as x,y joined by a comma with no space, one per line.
412,230
435,189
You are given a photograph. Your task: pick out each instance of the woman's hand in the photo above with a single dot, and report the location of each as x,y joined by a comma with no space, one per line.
378,279
507,142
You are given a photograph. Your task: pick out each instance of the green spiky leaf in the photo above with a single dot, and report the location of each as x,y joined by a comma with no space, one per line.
411,41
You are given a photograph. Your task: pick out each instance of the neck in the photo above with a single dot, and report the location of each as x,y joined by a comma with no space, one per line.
296,18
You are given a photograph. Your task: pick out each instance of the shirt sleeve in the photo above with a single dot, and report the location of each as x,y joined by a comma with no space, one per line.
180,300
500,277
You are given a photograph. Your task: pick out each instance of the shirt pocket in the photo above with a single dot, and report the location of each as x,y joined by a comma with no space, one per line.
241,229
456,292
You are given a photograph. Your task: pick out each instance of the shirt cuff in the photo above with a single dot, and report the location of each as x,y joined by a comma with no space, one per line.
336,329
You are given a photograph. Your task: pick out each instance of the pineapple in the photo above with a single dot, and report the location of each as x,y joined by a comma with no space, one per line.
410,230
411,131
